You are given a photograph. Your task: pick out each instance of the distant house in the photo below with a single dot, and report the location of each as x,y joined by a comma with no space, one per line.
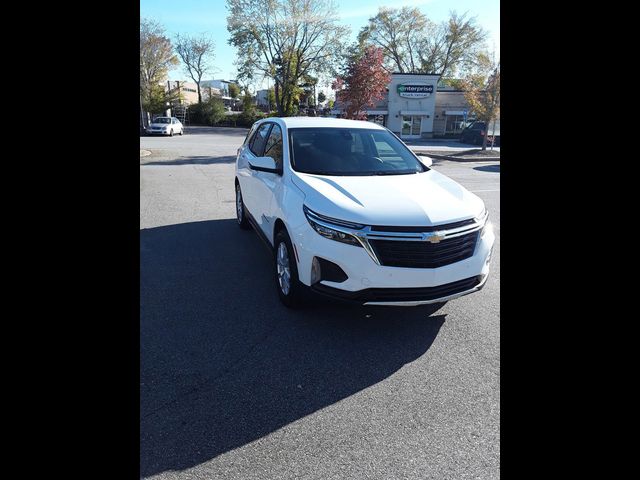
221,86
188,91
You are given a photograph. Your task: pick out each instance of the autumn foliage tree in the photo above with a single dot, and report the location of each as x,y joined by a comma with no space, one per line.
482,92
156,59
364,83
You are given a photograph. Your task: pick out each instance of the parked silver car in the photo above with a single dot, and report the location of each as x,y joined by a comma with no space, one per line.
165,126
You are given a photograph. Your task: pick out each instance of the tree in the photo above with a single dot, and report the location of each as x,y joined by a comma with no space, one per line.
482,92
215,110
321,97
307,90
158,97
248,107
197,53
234,90
284,40
209,112
414,44
156,59
271,98
363,84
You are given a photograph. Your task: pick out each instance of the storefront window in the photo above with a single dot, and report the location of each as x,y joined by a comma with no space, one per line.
406,126
411,125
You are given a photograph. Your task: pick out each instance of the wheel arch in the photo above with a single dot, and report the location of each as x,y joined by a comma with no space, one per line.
279,225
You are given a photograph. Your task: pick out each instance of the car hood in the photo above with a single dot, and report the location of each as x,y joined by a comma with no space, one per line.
422,199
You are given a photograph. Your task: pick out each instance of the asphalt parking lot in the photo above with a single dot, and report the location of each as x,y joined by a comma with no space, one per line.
234,385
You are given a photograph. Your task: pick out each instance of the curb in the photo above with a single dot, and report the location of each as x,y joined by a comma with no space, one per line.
458,159
144,153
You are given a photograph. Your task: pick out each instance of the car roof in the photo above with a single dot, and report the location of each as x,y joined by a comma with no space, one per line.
310,122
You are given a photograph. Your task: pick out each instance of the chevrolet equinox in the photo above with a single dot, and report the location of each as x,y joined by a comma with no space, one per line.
351,212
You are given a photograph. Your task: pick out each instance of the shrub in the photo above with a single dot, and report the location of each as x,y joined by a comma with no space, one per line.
209,112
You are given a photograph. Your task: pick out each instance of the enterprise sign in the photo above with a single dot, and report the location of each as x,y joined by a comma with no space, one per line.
415,90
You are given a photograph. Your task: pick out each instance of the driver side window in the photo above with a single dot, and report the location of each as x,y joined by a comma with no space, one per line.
273,148
259,140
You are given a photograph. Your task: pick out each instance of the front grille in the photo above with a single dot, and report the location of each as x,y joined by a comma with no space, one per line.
424,254
400,294
446,226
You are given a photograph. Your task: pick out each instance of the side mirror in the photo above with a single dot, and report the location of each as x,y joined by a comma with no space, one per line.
426,160
263,164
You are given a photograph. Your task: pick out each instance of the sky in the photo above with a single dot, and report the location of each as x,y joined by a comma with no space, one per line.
210,16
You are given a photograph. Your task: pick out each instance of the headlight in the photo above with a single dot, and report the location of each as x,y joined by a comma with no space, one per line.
323,225
483,219
483,216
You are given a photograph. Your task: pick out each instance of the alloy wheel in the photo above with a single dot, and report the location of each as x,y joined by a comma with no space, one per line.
284,273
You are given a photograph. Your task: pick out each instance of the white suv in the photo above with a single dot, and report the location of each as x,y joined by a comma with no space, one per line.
352,213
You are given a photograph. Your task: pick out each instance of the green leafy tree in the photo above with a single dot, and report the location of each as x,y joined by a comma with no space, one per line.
209,112
156,59
271,98
414,44
248,107
284,40
234,90
482,92
158,98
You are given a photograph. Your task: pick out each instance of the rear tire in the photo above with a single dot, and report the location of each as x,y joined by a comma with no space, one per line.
181,131
241,215
290,290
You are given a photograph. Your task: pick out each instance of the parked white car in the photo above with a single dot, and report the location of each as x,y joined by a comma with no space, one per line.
165,126
351,212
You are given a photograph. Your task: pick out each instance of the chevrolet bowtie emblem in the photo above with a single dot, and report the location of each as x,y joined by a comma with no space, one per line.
435,237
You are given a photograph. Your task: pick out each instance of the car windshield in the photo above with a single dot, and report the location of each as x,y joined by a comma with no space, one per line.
350,151
162,120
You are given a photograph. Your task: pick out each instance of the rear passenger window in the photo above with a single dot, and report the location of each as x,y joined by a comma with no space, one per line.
274,146
260,139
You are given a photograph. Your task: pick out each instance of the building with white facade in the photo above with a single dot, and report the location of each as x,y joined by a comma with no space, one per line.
416,107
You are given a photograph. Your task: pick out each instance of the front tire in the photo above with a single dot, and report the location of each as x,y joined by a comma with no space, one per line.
171,133
290,289
241,215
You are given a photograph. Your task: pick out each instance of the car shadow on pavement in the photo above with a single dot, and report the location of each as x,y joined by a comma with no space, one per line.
192,160
226,131
223,363
488,168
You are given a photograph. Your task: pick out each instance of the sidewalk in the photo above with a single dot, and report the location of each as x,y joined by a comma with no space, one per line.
448,149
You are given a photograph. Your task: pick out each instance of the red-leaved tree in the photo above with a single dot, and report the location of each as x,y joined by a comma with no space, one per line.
363,84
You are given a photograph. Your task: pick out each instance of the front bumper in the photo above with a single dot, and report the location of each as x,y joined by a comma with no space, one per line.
372,284
157,132
405,297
